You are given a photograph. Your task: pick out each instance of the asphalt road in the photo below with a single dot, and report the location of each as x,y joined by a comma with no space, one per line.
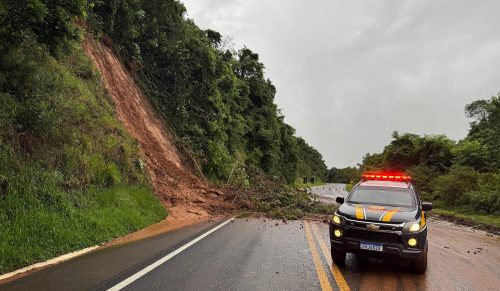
328,192
261,254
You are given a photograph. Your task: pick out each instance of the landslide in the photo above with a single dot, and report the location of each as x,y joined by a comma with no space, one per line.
186,196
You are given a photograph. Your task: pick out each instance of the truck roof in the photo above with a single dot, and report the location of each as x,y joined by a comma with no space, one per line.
395,184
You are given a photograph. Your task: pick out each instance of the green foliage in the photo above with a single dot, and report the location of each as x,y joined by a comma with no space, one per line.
36,228
62,123
485,129
348,175
409,150
217,101
47,23
467,189
372,162
311,162
459,180
424,179
461,175
299,183
472,153
68,174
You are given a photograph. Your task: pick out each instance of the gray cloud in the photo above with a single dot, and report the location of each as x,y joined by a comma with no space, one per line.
348,73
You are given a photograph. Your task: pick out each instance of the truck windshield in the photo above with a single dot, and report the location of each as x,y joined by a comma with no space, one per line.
382,196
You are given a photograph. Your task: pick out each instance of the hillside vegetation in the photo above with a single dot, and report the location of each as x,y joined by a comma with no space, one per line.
70,176
217,100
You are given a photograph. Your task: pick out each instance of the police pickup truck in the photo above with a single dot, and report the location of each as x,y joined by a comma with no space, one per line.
381,217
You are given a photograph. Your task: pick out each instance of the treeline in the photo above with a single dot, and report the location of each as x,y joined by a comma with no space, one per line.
347,175
217,100
463,175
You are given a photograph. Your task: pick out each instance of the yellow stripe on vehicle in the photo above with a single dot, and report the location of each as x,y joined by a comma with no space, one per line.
323,278
359,213
337,275
381,216
422,220
388,216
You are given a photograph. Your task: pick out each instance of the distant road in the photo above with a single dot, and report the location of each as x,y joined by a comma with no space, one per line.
329,192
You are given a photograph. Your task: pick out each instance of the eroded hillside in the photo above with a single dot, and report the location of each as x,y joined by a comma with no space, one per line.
182,192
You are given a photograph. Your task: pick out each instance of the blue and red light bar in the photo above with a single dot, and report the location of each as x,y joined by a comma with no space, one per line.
386,176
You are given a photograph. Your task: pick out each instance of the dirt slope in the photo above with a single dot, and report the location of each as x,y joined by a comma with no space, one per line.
183,193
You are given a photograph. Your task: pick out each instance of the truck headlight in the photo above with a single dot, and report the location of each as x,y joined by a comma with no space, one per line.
337,219
412,226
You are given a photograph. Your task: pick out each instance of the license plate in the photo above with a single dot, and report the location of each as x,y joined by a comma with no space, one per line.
371,246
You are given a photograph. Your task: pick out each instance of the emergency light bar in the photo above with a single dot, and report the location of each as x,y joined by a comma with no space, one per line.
386,176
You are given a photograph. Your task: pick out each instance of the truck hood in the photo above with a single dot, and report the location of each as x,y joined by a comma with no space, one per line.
378,213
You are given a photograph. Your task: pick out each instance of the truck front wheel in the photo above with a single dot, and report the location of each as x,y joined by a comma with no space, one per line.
420,266
338,257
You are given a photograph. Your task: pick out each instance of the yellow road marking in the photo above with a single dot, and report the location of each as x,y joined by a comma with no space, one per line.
323,278
359,213
388,216
339,279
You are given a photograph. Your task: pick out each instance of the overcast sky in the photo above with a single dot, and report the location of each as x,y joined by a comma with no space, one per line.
348,73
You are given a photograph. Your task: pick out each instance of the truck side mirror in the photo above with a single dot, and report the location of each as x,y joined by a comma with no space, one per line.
339,200
426,206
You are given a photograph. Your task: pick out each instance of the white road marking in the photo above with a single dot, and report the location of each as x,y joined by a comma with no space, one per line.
156,264
49,262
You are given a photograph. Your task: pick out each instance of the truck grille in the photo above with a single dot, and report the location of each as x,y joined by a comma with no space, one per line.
373,236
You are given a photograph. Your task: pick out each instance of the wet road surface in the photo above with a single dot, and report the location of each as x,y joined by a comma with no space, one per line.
262,254
328,192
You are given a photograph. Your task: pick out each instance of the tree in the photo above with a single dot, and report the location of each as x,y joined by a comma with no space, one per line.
50,23
472,153
218,102
348,175
485,128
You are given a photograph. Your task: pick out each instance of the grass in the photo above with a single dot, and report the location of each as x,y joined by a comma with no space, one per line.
33,232
299,184
481,221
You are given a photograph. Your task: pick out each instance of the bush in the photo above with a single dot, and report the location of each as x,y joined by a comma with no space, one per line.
469,190
459,180
486,200
424,179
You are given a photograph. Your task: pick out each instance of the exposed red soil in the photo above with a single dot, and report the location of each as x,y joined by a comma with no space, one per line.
187,197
